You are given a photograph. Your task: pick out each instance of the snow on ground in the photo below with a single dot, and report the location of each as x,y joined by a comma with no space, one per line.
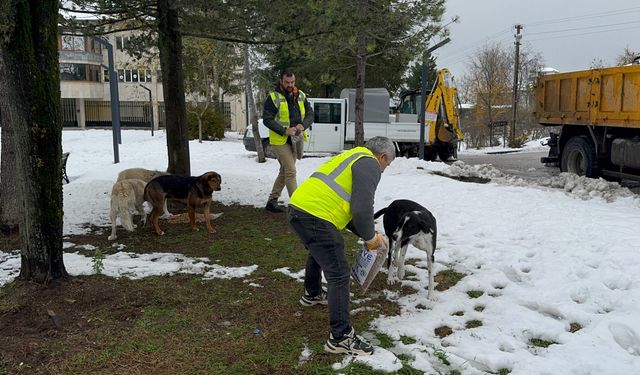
544,256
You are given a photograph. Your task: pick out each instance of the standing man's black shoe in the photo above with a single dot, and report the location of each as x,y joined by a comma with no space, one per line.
272,206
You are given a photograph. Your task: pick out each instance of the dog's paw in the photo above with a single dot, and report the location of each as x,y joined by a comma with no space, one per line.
113,237
431,297
212,231
401,273
391,279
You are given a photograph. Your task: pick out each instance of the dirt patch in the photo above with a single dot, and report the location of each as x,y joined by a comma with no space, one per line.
443,331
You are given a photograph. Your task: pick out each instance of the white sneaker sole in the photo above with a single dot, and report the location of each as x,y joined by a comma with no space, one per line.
340,350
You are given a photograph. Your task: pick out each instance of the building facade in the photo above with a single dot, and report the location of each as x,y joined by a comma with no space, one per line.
85,88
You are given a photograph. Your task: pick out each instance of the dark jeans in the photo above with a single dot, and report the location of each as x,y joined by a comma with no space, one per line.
326,253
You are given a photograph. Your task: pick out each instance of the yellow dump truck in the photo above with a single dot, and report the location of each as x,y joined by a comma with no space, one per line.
598,112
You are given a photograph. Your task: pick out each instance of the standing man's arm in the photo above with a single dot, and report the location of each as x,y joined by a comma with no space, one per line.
366,176
269,112
308,115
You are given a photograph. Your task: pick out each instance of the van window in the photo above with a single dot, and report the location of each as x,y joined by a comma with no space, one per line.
327,113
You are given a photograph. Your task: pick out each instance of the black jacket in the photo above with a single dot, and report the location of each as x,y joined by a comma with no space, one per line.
269,113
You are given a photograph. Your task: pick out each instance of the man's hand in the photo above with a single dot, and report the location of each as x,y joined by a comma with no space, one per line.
292,131
378,242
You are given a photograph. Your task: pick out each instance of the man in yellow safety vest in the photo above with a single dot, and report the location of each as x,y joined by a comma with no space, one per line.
339,194
286,113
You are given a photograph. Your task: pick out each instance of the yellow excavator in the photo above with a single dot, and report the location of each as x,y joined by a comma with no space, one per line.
442,117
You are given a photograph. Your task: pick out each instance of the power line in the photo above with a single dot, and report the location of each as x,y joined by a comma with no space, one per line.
584,28
581,34
586,16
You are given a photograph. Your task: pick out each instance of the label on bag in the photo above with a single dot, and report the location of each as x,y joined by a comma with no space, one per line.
366,267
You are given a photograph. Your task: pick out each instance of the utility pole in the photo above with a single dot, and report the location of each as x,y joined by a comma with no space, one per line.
516,68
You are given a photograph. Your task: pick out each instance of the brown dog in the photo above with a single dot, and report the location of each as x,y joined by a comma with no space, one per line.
193,191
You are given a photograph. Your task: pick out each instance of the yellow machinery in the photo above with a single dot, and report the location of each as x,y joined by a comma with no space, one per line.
441,117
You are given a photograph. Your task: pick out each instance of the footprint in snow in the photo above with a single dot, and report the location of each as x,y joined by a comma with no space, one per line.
626,337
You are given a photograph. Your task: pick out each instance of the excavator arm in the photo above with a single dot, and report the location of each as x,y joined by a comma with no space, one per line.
441,108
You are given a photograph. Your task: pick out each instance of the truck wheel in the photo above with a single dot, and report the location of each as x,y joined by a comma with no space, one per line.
446,152
579,157
430,154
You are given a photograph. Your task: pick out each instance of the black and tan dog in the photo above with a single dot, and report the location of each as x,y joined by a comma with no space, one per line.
195,192
408,223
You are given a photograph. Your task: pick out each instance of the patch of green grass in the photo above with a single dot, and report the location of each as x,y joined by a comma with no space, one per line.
458,313
479,308
455,372
442,356
473,323
504,371
9,306
574,327
421,307
385,341
475,293
541,343
407,340
447,278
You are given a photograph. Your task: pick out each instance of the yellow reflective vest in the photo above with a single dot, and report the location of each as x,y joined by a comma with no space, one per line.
327,193
280,102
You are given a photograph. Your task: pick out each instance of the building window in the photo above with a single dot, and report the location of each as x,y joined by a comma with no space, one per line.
105,75
72,72
134,75
121,42
73,43
79,72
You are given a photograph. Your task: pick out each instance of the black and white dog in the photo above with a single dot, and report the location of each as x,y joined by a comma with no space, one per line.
408,223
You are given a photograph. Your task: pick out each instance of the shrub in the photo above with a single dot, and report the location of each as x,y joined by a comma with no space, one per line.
518,141
212,123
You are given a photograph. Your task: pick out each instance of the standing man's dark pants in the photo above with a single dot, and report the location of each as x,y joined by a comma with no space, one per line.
326,253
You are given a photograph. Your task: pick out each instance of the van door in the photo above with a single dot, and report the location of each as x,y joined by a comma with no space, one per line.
327,131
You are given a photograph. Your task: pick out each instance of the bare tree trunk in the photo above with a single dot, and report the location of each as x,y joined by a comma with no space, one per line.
30,91
361,66
8,204
170,46
253,112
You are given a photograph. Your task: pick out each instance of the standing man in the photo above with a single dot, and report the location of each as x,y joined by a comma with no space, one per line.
339,194
286,113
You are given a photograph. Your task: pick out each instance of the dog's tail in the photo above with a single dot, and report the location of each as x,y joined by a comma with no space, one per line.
380,213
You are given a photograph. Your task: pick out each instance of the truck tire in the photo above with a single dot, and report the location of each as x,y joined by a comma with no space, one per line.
430,154
446,151
579,157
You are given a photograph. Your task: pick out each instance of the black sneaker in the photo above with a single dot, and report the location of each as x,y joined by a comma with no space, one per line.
272,206
348,344
320,299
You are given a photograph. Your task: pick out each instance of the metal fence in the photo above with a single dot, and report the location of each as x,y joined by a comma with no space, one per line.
69,113
162,118
132,114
